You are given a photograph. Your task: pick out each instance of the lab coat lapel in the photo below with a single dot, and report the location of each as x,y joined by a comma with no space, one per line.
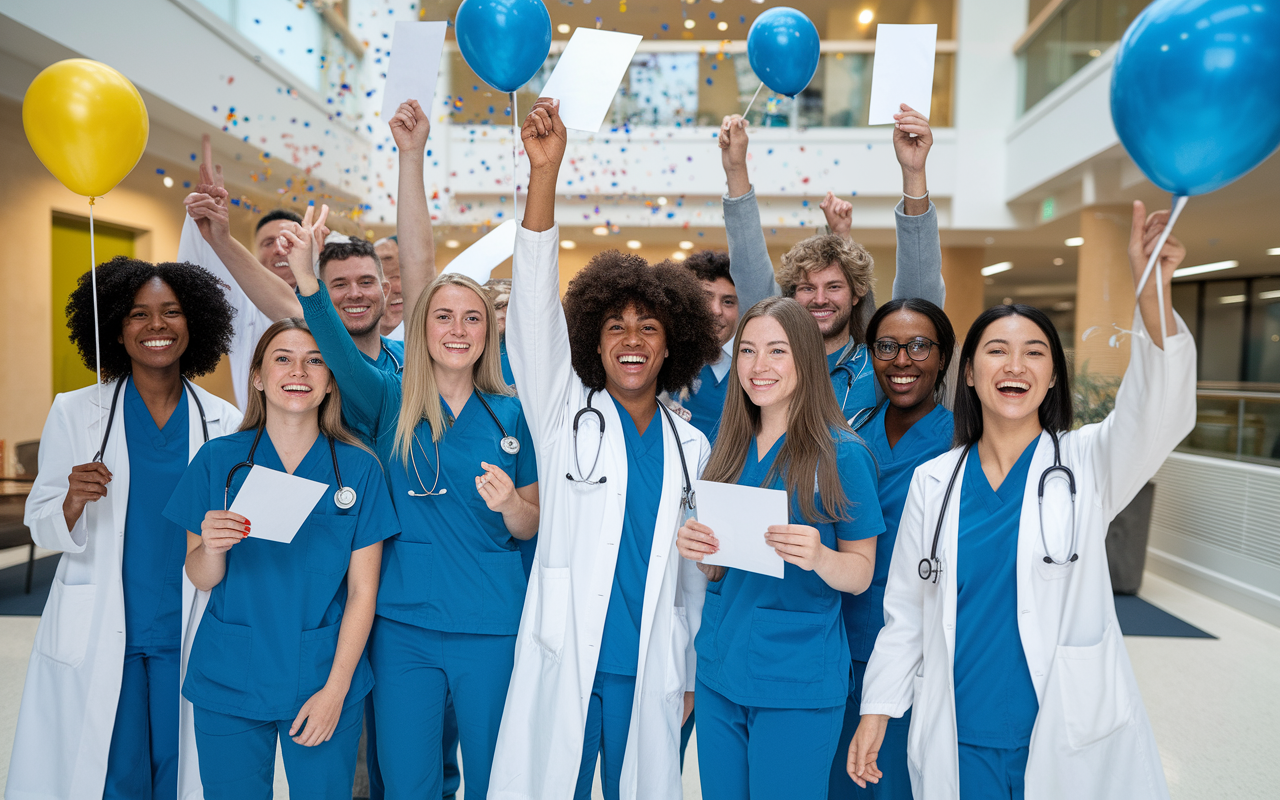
939,476
664,532
116,459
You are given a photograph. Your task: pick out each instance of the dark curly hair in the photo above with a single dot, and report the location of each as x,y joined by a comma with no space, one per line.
203,303
609,283
709,265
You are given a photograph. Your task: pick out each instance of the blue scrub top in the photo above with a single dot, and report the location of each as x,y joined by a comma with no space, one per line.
507,374
620,644
929,438
854,381
780,643
706,402
455,567
155,549
996,701
267,639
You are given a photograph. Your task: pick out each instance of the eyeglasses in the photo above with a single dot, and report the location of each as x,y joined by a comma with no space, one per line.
918,349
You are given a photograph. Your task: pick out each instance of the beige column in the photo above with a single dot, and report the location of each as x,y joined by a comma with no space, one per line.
962,272
1104,291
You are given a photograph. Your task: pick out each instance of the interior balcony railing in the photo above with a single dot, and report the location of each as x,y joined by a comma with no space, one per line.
1239,421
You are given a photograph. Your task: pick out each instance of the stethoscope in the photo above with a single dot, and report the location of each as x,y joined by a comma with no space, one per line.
509,444
688,499
845,364
344,498
392,356
111,415
930,567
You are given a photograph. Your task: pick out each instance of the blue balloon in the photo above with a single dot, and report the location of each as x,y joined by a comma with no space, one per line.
505,42
782,46
1195,91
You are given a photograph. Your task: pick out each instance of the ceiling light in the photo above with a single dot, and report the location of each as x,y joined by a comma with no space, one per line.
562,28
600,230
1232,298
1074,241
1057,262
686,245
634,244
168,182
996,269
568,244
724,26
1274,294
866,16
1274,251
662,201
688,24
1216,266
1094,53
452,244
678,256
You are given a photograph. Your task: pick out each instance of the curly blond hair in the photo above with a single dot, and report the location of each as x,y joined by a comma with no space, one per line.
819,252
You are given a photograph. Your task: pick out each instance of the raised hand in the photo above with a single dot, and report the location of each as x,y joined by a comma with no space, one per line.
86,484
839,214
410,128
209,204
544,136
912,151
733,142
220,530
1143,235
300,243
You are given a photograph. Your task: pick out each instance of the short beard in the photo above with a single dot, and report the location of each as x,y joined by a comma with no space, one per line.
371,325
839,324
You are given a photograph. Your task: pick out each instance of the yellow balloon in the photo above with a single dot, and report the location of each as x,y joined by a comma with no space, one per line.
87,124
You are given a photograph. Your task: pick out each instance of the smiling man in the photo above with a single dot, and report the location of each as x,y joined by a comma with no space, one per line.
392,325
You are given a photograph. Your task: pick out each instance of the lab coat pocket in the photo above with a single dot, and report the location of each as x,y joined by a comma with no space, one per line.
551,616
675,678
787,646
916,732
220,661
316,658
329,539
63,635
1093,689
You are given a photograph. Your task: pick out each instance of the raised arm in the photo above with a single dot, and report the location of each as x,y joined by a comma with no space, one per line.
919,256
537,335
208,206
749,261
410,127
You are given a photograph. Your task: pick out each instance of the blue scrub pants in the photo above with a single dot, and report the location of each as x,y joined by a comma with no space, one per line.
764,753
238,757
449,746
686,731
892,761
608,722
143,760
415,671
991,773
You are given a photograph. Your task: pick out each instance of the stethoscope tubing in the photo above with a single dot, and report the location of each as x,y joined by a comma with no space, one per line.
115,399
344,497
508,443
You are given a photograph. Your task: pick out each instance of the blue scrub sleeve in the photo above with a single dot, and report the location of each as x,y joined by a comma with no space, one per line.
377,519
526,460
193,496
365,388
858,478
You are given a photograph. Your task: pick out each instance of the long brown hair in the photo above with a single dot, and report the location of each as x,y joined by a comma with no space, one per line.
814,420
329,414
421,397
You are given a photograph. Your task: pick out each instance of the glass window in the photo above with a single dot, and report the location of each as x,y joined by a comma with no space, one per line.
1077,33
1223,326
1264,338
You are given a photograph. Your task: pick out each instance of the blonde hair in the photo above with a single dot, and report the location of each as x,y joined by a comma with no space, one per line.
421,397
329,413
819,252
807,459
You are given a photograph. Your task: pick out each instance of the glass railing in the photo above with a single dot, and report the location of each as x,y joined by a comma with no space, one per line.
699,86
1065,36
1239,421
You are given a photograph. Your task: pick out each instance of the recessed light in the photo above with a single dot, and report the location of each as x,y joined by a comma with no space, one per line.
996,269
452,244
562,28
1232,298
686,245
568,244
1274,251
1216,266
1074,241
168,182
1057,262
688,24
678,256
600,230
634,244
866,16
724,26
662,201
1274,294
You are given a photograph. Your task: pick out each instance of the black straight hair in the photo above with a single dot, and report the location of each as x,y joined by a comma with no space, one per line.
279,213
941,325
1055,410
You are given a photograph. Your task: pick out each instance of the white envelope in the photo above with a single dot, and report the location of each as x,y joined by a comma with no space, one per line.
902,70
413,66
739,516
276,503
588,74
478,261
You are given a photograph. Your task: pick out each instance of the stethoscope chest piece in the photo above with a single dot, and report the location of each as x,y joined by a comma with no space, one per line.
345,497
928,570
510,445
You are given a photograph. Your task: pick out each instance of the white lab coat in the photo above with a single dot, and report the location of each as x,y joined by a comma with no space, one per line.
539,745
73,679
1092,737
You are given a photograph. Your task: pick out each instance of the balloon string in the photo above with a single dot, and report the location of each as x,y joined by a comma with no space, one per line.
1179,202
93,281
515,160
753,100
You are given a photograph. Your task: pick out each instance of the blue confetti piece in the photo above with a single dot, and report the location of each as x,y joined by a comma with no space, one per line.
193,156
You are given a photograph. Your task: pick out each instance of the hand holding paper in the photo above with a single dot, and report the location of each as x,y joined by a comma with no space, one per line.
737,518
277,502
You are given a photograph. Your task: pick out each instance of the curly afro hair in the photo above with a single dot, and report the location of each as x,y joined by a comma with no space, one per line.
709,265
671,293
203,302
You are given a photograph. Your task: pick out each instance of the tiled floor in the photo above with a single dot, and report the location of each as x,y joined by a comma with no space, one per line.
1215,704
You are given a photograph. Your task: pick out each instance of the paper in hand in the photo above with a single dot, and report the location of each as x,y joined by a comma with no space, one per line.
413,66
739,516
588,74
477,262
277,503
902,71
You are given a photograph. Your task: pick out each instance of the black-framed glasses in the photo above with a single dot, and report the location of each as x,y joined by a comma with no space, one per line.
918,349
